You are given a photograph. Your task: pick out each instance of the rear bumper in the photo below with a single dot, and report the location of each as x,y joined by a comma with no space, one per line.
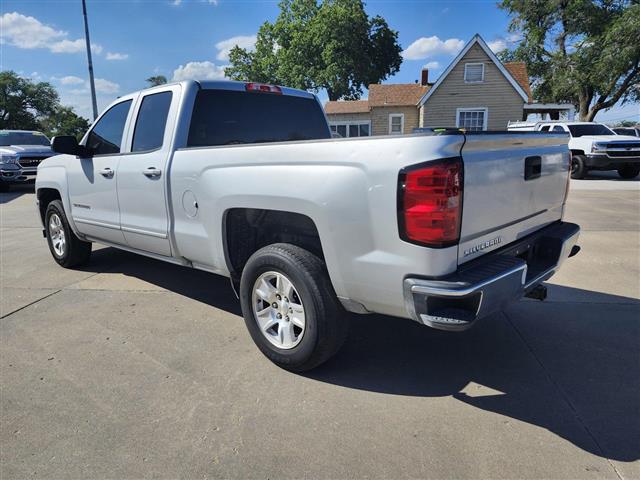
604,161
487,284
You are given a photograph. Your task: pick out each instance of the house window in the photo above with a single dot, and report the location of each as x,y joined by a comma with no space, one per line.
472,118
473,72
396,124
351,129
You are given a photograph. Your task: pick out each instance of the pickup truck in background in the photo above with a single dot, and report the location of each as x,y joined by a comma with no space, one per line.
245,181
627,131
593,146
21,151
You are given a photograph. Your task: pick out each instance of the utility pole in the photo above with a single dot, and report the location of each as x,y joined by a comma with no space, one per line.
91,82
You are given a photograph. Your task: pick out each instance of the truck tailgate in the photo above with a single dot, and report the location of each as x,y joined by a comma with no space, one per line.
514,184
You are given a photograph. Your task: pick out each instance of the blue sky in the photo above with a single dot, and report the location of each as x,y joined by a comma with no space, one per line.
134,39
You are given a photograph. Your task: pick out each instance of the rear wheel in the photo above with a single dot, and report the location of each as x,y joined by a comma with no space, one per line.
66,249
290,308
578,166
629,171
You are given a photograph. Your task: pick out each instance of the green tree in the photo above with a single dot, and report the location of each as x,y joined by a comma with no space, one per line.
28,105
626,123
156,80
586,52
23,103
64,121
314,45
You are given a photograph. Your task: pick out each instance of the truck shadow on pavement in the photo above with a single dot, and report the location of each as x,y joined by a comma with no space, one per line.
571,368
569,365
16,191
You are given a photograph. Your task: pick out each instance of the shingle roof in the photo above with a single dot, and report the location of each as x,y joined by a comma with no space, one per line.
401,94
518,71
347,106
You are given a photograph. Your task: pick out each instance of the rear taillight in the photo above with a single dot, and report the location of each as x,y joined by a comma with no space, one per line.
430,203
263,88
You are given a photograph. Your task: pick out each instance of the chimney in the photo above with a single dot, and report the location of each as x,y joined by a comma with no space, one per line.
424,77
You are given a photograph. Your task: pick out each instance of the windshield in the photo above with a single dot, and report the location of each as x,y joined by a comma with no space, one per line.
589,129
23,138
625,131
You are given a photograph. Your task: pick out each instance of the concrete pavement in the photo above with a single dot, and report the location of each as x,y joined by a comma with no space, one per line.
132,368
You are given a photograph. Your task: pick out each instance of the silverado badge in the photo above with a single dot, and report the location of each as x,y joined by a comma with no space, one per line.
482,246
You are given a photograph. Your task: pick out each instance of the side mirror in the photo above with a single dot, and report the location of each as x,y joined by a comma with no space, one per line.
69,145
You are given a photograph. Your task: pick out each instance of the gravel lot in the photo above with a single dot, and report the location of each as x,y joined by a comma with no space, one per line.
132,368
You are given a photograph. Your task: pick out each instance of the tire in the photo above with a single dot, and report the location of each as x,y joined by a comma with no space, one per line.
629,171
66,249
578,167
286,343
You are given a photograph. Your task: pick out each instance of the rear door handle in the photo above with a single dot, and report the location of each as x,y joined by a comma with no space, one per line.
152,172
107,172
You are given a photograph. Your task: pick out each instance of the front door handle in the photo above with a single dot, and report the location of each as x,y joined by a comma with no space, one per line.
107,172
152,172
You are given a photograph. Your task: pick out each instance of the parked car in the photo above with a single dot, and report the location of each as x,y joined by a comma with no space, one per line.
629,131
244,180
21,151
593,146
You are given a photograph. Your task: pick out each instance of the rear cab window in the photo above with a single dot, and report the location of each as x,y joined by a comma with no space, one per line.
229,117
151,122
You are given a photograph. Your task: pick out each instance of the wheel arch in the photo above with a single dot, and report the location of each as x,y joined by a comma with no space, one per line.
246,230
45,196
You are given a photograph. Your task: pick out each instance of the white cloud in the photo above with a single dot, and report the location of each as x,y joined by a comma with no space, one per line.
432,65
243,41
117,56
425,47
105,86
498,45
28,32
71,80
198,71
176,2
501,43
213,2
102,85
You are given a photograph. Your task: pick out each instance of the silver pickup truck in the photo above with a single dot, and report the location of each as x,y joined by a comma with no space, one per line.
245,181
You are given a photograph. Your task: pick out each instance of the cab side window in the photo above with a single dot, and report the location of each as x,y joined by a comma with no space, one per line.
151,122
545,128
106,136
558,128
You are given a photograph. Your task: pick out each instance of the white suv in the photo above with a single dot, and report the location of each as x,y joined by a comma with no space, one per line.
593,146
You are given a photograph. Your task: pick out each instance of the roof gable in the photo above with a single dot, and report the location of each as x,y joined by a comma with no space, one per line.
477,39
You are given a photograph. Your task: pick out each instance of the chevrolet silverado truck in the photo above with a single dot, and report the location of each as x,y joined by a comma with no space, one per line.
593,147
21,151
245,180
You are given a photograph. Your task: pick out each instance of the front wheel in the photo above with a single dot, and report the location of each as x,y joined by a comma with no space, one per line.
578,167
66,249
629,171
290,308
